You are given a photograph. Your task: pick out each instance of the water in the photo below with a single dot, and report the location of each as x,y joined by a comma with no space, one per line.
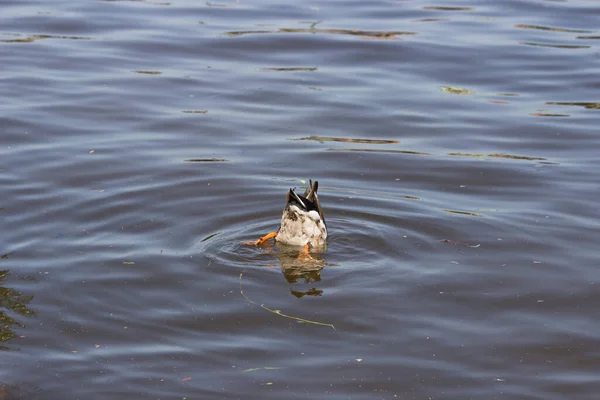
455,146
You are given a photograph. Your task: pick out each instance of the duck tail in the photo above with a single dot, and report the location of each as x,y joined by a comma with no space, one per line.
292,196
311,195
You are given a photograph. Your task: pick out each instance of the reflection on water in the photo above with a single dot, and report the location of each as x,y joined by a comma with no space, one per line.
309,292
11,302
296,267
299,294
19,391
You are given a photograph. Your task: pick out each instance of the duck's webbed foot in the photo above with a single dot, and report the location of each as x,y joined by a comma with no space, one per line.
304,254
263,239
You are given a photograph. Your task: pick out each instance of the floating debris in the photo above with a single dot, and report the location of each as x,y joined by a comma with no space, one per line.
206,160
350,32
139,1
441,8
222,5
454,90
472,214
549,28
557,46
148,72
322,139
549,115
516,157
283,69
461,243
33,38
195,111
497,155
278,312
430,20
260,368
381,151
588,105
209,237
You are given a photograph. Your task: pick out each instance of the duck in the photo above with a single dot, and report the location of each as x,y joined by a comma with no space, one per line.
302,221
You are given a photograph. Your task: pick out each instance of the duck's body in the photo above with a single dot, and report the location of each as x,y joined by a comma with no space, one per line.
302,222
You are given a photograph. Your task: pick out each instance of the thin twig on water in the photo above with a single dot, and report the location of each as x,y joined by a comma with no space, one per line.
278,312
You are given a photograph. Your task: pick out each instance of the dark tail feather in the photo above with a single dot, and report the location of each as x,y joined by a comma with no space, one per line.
311,195
291,195
311,190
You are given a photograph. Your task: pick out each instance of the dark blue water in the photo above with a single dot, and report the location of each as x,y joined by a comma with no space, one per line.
455,145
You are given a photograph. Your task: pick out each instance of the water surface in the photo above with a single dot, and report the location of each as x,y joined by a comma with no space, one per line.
455,145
